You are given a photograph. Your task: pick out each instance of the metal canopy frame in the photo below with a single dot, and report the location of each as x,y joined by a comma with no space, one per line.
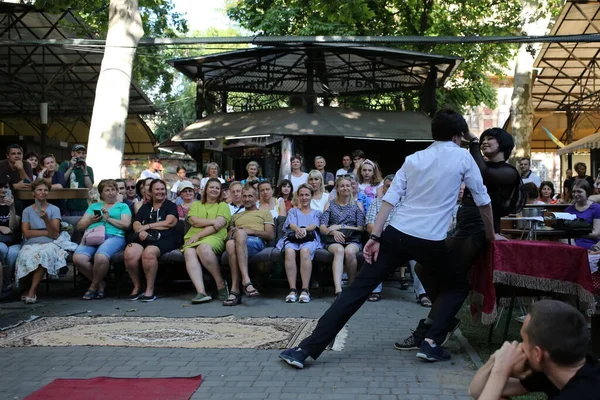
64,77
569,75
324,70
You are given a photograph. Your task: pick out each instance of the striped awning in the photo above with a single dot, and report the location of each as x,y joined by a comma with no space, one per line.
588,142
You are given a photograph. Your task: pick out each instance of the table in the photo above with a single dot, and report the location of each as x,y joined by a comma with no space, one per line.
55,194
546,233
548,267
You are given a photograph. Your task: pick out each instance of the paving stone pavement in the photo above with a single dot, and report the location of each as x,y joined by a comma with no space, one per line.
368,368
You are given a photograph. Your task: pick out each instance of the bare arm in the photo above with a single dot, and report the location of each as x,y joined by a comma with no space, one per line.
488,221
87,220
197,222
122,223
267,234
282,210
29,233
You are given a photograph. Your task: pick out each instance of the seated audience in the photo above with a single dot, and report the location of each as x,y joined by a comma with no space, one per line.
19,172
551,359
252,168
130,192
196,183
285,191
248,232
369,179
328,178
297,177
9,224
225,193
186,193
269,203
342,224
154,168
320,197
155,234
34,160
93,261
205,240
547,192
581,169
212,171
300,235
121,195
566,197
358,156
237,204
39,255
587,210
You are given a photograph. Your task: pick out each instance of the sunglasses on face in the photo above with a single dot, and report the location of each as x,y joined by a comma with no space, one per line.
130,187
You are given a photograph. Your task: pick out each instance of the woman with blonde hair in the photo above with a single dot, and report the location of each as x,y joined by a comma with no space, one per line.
252,168
320,196
342,223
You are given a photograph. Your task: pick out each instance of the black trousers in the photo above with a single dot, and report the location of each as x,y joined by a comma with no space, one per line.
396,248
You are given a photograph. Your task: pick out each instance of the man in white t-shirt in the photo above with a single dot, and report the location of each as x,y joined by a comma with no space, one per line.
346,166
527,174
154,168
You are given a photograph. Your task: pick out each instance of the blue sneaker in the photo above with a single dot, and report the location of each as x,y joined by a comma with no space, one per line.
294,357
432,354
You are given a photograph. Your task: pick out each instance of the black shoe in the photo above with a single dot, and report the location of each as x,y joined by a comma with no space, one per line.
404,284
454,324
432,354
147,299
294,357
135,296
414,341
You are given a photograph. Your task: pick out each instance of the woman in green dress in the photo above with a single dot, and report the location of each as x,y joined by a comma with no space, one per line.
205,241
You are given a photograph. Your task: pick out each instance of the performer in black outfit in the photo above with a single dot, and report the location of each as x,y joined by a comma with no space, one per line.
468,238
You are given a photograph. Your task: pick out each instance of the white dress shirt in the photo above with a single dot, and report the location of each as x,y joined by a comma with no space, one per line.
532,177
430,181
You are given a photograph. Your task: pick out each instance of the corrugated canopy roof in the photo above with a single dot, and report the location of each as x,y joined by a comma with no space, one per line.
568,73
325,121
335,69
65,77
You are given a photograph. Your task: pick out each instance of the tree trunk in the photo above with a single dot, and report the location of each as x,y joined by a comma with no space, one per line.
535,17
107,131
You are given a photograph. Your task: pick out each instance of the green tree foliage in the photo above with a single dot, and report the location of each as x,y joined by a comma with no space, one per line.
159,20
470,85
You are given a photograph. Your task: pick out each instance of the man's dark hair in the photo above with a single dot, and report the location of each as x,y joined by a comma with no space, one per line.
121,180
446,124
560,329
580,164
13,146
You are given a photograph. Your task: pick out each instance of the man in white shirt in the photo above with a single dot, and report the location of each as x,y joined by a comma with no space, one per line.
346,166
429,181
154,168
527,174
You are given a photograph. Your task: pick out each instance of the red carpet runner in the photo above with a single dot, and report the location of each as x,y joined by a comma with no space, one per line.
105,388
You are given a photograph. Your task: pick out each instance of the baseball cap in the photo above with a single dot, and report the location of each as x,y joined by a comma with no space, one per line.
184,185
78,147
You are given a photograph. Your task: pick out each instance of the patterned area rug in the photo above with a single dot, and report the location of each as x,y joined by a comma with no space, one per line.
225,332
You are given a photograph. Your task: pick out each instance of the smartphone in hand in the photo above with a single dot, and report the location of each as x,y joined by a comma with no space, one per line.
97,213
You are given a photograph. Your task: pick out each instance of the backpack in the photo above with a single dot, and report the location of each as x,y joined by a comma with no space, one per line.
517,199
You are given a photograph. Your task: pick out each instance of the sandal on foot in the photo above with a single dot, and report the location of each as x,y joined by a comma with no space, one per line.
374,297
223,293
99,295
404,284
304,296
30,300
250,293
237,299
201,298
291,298
337,294
425,301
90,295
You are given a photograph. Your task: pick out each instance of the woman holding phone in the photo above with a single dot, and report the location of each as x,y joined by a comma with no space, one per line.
93,261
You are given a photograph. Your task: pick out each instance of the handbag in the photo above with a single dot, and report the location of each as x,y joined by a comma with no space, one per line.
94,236
351,235
580,225
291,237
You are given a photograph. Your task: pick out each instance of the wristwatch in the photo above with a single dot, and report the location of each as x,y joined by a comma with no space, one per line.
375,238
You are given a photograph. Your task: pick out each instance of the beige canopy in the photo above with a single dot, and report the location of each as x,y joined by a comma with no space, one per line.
325,121
588,142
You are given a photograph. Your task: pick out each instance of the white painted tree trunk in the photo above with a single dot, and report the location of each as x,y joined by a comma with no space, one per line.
285,167
535,18
107,132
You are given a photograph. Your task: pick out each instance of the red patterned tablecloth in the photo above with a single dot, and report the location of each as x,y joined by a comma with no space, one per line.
545,266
